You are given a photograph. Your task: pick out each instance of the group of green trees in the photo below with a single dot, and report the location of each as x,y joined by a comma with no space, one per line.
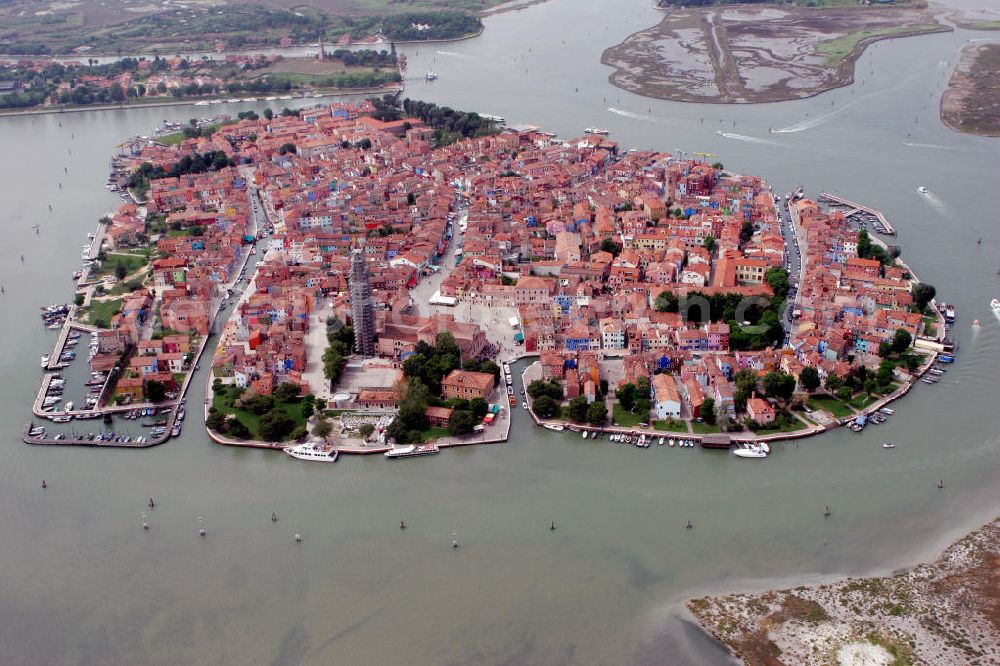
922,295
763,315
198,163
424,370
275,422
449,124
635,397
546,398
364,58
869,250
341,345
432,25
430,364
594,413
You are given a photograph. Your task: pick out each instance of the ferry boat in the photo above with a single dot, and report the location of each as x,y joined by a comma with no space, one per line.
553,426
412,451
597,130
316,451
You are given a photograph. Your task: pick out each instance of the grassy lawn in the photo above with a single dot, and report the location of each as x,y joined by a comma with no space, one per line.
223,402
830,404
132,263
930,327
863,400
790,426
622,417
704,428
670,426
103,310
177,137
432,433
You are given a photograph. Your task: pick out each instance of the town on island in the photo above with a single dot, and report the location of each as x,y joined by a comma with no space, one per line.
359,278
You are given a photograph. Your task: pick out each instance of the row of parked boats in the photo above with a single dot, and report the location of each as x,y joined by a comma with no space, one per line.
54,315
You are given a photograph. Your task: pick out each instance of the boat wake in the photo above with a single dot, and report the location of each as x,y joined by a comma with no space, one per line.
810,123
453,54
935,202
746,139
931,146
633,115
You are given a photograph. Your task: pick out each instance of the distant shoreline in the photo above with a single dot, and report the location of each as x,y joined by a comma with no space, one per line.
189,101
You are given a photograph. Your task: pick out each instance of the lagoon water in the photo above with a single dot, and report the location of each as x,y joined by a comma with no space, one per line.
82,583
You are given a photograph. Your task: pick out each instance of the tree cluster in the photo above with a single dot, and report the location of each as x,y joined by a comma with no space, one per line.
341,344
430,365
434,25
635,398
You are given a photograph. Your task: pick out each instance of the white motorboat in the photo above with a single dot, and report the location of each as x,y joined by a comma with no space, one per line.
45,360
888,445
412,451
585,434
672,441
995,306
660,443
431,76
750,451
316,451
551,426
922,189
597,130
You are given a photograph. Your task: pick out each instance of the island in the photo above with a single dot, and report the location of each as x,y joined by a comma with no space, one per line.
713,53
126,27
45,85
944,612
373,269
971,103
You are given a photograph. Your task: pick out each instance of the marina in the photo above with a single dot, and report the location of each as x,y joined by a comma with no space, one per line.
881,223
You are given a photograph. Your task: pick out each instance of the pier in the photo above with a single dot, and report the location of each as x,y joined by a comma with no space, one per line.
859,208
67,328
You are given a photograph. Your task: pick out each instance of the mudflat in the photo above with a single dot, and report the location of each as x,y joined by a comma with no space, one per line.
944,612
972,101
742,54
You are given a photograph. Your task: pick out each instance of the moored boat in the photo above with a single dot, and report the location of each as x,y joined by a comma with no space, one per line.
749,450
315,451
412,451
554,426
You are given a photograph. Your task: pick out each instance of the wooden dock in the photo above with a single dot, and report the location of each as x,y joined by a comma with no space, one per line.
856,208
